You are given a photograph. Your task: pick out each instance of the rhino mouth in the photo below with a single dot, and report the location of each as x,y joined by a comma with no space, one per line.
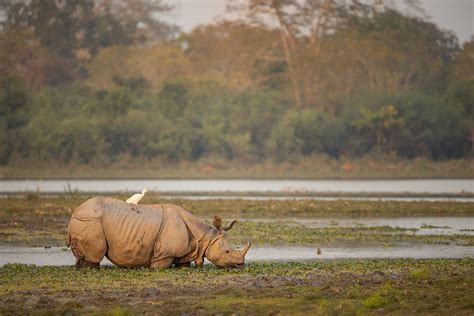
237,265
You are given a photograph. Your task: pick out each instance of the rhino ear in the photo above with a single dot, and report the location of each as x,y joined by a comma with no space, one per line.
230,225
217,222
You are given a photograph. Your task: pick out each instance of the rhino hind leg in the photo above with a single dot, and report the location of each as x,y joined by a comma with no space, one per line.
82,256
84,263
87,242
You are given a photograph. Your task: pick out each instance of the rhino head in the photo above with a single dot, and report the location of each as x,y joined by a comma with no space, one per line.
219,250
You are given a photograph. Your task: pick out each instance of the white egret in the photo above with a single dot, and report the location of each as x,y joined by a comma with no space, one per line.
134,199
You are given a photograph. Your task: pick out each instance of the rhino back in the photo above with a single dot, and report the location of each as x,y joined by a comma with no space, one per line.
90,209
130,235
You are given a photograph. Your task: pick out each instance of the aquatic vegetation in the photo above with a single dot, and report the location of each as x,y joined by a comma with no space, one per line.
317,208
351,286
422,273
427,226
43,221
289,232
379,298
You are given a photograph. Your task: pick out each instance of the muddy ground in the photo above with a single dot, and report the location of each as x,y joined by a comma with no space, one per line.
349,287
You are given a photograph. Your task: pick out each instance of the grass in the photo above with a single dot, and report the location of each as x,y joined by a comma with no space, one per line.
332,287
40,221
314,167
292,233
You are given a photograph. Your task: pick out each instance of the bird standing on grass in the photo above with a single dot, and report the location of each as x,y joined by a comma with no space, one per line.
134,199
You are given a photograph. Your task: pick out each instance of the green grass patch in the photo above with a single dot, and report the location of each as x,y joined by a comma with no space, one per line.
419,274
380,297
352,287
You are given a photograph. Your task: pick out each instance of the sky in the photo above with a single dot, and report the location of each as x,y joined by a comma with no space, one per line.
454,15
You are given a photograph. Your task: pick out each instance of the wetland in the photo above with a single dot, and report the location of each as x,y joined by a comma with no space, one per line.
34,220
374,287
378,257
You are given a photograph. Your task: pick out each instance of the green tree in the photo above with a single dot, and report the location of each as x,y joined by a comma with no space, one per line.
460,92
379,125
14,114
76,29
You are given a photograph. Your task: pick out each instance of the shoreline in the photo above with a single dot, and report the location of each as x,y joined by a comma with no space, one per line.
309,168
250,177
255,195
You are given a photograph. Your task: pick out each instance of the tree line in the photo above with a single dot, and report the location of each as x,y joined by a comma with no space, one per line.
97,81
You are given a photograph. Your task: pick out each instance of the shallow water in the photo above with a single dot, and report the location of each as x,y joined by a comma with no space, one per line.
433,186
307,253
424,225
63,256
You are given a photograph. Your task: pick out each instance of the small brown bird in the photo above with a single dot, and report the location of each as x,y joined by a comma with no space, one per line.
319,251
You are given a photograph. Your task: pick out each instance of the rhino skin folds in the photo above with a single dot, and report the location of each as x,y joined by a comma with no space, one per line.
156,236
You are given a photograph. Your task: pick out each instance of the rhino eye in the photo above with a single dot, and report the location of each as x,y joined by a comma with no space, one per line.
227,251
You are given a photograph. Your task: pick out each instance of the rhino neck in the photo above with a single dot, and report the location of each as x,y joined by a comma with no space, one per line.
201,235
204,244
199,248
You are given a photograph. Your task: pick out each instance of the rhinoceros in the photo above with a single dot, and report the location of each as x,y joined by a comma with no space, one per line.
155,236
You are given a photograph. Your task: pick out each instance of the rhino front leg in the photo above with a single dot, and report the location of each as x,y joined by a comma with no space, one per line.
162,264
199,262
183,265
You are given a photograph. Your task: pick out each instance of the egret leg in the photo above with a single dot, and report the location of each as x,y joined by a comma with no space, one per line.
135,208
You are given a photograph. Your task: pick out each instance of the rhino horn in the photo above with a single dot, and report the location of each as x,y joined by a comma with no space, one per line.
244,250
230,225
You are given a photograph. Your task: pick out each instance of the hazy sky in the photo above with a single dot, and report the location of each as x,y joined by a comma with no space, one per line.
455,15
